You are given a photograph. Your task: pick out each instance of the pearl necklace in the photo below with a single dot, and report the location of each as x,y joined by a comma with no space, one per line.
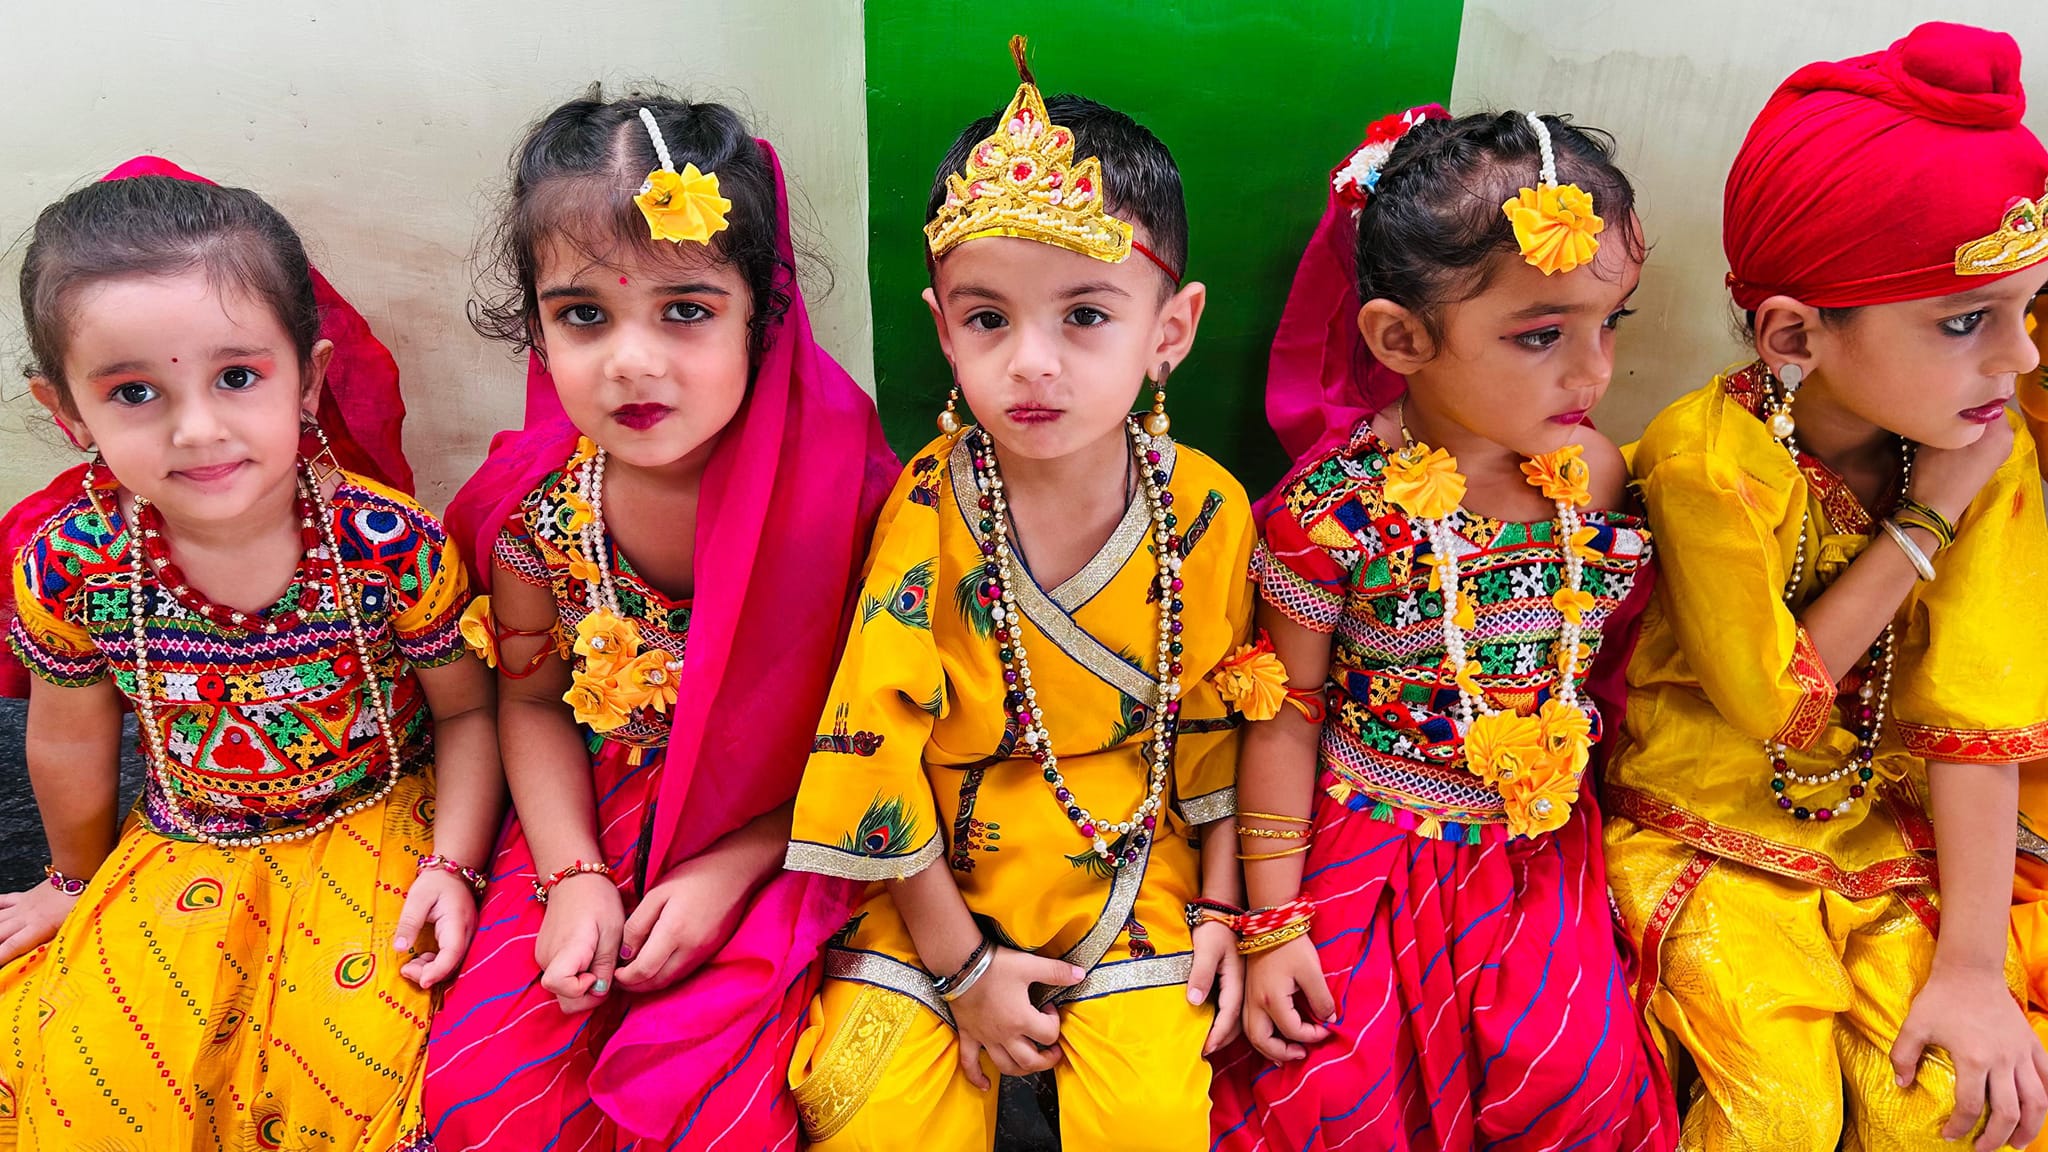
1873,694
604,590
1021,696
145,706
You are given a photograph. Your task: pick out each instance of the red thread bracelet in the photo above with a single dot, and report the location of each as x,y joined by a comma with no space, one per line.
1260,921
541,888
470,876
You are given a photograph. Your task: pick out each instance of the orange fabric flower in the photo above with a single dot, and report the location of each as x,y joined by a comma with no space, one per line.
1467,679
580,514
1582,544
1563,725
1424,482
683,206
586,451
582,569
1561,475
1502,746
1540,801
594,701
648,681
476,630
1555,226
1252,680
1465,618
606,642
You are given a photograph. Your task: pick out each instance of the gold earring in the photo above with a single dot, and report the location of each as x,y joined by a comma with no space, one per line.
324,463
949,417
1157,422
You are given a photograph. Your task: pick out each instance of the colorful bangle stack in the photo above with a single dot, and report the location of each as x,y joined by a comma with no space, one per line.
1295,833
951,988
68,885
1202,910
1913,514
541,888
471,876
1264,928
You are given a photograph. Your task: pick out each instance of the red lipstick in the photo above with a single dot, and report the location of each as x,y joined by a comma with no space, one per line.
1984,413
641,417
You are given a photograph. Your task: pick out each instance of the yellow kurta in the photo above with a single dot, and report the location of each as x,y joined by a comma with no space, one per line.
1715,882
918,763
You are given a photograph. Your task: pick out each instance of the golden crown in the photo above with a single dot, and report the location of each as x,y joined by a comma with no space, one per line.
2021,240
1022,181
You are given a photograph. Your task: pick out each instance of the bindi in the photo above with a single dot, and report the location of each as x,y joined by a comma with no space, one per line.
622,281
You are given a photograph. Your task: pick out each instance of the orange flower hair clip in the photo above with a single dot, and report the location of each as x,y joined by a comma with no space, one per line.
1555,226
679,206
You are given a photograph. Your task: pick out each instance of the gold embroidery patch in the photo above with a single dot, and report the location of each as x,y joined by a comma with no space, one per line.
2021,240
853,1061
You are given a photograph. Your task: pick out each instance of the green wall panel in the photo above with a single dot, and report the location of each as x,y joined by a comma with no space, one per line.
1257,101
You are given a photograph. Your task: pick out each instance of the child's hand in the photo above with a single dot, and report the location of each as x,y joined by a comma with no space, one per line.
578,944
1947,479
1273,979
446,903
30,919
1218,967
1972,1015
677,925
997,1016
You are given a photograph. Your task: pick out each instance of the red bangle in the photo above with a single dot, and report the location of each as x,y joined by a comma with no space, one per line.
1260,921
541,888
70,886
471,876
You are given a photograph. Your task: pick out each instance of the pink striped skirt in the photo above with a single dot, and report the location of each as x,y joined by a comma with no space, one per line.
508,1071
1481,1004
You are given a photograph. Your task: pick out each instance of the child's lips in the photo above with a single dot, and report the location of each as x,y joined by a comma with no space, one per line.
1033,414
641,417
1984,413
209,473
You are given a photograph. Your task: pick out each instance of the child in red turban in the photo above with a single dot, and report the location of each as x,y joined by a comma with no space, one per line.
1836,678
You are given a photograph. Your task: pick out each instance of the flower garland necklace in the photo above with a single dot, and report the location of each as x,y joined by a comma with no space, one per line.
617,677
1022,697
1874,694
1534,761
146,554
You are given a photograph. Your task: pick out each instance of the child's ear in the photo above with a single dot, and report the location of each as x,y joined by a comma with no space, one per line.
931,301
1179,317
1786,332
52,399
316,376
1395,336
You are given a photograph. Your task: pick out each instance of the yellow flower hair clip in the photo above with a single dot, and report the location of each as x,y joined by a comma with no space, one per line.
1555,226
682,205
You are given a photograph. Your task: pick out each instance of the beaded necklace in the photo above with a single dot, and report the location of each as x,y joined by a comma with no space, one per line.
1022,696
146,552
1873,694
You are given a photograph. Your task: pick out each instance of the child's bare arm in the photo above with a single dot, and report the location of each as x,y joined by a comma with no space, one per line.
74,749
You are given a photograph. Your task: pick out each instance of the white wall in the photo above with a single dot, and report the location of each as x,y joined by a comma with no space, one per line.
1678,85
382,128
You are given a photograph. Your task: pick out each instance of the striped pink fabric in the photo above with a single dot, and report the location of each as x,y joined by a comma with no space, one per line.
1482,1004
507,1071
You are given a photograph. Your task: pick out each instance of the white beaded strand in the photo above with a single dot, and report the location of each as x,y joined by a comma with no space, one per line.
145,704
1008,619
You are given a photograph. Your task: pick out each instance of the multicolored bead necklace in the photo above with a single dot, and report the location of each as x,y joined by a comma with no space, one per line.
316,524
1873,694
1022,697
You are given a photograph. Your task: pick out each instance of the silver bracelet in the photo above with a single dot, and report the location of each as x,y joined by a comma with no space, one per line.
971,977
1921,564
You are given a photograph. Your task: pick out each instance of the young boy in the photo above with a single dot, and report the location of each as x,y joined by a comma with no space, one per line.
1022,752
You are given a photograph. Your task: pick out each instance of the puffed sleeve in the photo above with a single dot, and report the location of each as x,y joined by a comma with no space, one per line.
1319,541
45,632
429,586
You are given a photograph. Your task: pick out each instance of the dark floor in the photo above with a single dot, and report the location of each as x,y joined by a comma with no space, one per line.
23,852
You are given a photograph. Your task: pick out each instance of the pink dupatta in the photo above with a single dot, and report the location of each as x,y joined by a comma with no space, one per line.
788,501
361,410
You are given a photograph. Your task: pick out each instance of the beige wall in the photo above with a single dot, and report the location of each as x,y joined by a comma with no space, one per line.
382,129
1678,85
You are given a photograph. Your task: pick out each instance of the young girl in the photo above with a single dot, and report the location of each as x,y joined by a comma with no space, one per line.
248,963
1432,964
1023,752
1843,659
670,543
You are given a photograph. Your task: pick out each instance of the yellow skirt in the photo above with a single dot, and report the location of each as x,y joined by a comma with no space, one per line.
246,998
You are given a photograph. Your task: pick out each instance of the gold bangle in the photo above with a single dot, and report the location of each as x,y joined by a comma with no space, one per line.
1273,939
1296,850
1274,816
1275,833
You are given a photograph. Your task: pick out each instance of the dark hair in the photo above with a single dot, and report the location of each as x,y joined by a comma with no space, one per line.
1429,233
1140,182
575,176
1832,317
161,226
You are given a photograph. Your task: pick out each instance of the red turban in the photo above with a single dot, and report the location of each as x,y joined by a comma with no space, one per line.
1861,179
